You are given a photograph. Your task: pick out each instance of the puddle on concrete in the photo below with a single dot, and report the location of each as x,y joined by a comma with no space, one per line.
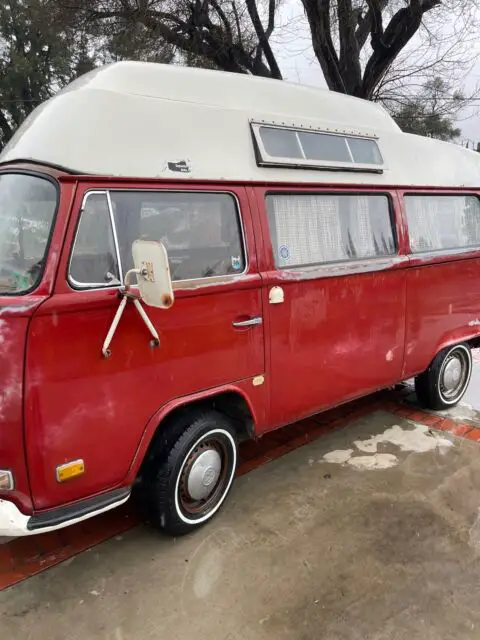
377,461
460,413
338,457
417,439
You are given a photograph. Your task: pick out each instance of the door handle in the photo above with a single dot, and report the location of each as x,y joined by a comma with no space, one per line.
251,322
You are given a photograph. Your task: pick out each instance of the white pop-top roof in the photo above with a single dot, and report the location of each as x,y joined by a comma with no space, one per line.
133,119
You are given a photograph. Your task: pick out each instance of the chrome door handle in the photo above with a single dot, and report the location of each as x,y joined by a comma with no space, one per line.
248,323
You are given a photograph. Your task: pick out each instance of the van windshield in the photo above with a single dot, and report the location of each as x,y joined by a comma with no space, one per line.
27,208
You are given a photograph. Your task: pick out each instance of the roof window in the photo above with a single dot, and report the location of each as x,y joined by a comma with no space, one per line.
301,148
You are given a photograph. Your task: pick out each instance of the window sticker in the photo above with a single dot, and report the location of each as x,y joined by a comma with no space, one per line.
236,263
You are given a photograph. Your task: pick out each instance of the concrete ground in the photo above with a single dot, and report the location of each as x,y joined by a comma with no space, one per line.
371,532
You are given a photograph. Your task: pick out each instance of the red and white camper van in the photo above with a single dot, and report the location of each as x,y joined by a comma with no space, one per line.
190,258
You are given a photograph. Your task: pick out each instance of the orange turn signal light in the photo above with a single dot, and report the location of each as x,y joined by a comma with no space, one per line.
70,470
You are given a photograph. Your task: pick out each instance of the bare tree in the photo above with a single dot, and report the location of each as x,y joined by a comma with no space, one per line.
372,49
232,35
443,48
355,25
360,45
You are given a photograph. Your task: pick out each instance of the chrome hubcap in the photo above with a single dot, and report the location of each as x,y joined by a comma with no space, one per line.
454,375
204,474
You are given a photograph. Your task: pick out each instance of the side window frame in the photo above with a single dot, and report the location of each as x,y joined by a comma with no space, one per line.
263,158
81,286
179,284
433,253
349,265
54,228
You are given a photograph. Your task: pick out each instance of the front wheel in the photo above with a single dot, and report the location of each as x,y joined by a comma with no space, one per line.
445,382
192,473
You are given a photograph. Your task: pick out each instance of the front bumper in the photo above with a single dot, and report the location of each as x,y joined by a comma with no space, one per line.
13,523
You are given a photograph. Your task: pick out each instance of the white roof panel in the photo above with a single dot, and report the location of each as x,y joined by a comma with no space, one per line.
133,119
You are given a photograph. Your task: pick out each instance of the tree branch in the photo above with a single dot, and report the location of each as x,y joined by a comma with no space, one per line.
376,26
223,18
237,20
196,35
318,16
263,38
365,22
271,18
349,62
7,130
400,30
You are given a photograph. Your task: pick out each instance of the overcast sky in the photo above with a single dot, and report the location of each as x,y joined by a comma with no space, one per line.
298,63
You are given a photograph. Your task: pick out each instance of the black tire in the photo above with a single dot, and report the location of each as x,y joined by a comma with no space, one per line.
190,439
431,386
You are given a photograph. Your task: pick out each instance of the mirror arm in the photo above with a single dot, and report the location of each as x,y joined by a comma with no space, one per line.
126,295
126,288
147,321
106,345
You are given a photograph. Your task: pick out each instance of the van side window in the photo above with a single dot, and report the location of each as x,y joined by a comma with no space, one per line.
94,261
323,228
438,222
201,231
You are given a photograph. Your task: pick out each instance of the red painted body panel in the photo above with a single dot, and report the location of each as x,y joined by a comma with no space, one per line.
334,338
442,317
13,333
443,298
80,405
16,313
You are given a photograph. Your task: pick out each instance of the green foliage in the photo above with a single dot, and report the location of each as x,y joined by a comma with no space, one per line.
431,112
38,55
45,45
413,119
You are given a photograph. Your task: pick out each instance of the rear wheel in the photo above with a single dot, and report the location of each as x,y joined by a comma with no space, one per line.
445,381
191,474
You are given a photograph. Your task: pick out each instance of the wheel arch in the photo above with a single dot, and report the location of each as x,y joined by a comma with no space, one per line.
474,343
453,339
230,401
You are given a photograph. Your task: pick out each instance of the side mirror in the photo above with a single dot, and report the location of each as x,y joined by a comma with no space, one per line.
153,273
154,283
